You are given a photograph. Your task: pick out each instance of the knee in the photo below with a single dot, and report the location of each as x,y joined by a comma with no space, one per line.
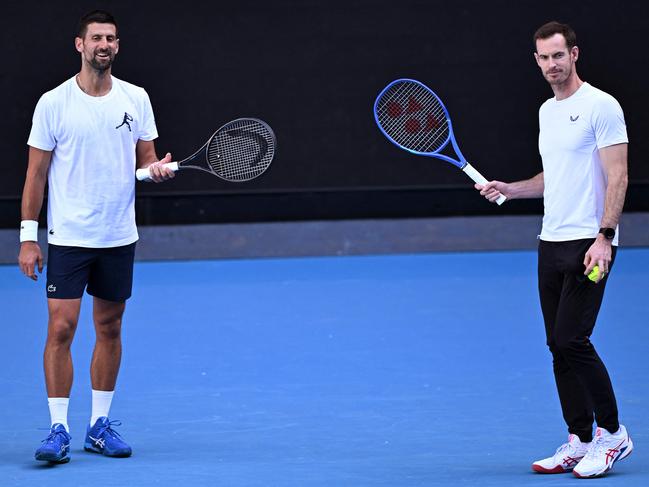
61,331
570,344
109,329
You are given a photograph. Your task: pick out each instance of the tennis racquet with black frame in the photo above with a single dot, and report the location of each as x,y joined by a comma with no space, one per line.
414,118
239,151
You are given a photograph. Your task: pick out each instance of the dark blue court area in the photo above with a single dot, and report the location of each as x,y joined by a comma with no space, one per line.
398,370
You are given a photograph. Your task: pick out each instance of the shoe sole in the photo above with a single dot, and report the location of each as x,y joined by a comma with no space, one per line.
556,470
624,455
92,449
52,459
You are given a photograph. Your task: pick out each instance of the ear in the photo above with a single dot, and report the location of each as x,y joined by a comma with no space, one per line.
574,53
116,45
536,57
78,44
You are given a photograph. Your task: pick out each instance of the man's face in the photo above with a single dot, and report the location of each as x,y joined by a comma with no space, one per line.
99,46
555,59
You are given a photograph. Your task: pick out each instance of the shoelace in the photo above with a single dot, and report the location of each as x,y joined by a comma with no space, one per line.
596,447
108,430
52,436
570,450
564,447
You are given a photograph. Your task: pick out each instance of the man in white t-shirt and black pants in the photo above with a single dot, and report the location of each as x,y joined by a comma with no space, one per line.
583,145
88,136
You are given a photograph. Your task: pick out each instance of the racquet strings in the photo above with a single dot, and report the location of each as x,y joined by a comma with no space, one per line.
413,116
241,150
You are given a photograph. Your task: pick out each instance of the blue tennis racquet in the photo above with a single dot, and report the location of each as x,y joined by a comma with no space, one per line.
413,118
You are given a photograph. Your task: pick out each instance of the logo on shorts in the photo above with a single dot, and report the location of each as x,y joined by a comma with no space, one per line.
127,119
51,288
51,232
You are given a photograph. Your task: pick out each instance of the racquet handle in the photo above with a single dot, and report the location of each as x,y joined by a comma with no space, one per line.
144,174
480,179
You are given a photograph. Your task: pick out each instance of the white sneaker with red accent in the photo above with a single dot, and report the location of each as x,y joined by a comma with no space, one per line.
564,459
604,451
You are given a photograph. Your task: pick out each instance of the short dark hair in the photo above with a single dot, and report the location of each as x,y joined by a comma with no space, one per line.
548,30
94,16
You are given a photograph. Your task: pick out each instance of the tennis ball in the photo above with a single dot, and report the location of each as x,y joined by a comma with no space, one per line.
594,274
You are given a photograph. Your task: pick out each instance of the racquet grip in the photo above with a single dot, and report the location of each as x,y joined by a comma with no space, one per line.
144,174
480,179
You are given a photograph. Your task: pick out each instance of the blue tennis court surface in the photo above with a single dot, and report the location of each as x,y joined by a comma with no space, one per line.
399,370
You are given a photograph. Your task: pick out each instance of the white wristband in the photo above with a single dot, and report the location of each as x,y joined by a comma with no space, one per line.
29,231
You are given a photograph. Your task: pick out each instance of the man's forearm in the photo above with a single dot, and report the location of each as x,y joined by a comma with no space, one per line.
615,195
34,189
32,199
529,188
614,161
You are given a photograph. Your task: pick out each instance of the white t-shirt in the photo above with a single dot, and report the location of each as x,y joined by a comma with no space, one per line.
91,178
571,132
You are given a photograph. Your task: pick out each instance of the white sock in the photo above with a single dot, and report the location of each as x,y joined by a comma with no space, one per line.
59,410
100,404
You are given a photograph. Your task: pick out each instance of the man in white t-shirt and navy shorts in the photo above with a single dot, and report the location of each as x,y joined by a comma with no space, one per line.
88,136
583,145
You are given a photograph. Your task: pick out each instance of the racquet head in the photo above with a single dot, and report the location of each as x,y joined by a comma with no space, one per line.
240,150
412,117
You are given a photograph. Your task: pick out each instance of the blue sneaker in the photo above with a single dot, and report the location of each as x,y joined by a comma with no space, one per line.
56,447
101,438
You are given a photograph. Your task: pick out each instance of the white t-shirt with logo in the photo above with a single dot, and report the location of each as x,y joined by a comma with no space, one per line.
572,131
91,192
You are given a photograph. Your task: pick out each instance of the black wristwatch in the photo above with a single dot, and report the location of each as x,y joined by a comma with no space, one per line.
609,233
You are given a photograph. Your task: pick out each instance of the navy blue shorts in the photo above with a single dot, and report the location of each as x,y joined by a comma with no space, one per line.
107,272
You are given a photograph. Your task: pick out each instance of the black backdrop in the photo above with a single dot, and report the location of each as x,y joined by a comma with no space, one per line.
312,69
